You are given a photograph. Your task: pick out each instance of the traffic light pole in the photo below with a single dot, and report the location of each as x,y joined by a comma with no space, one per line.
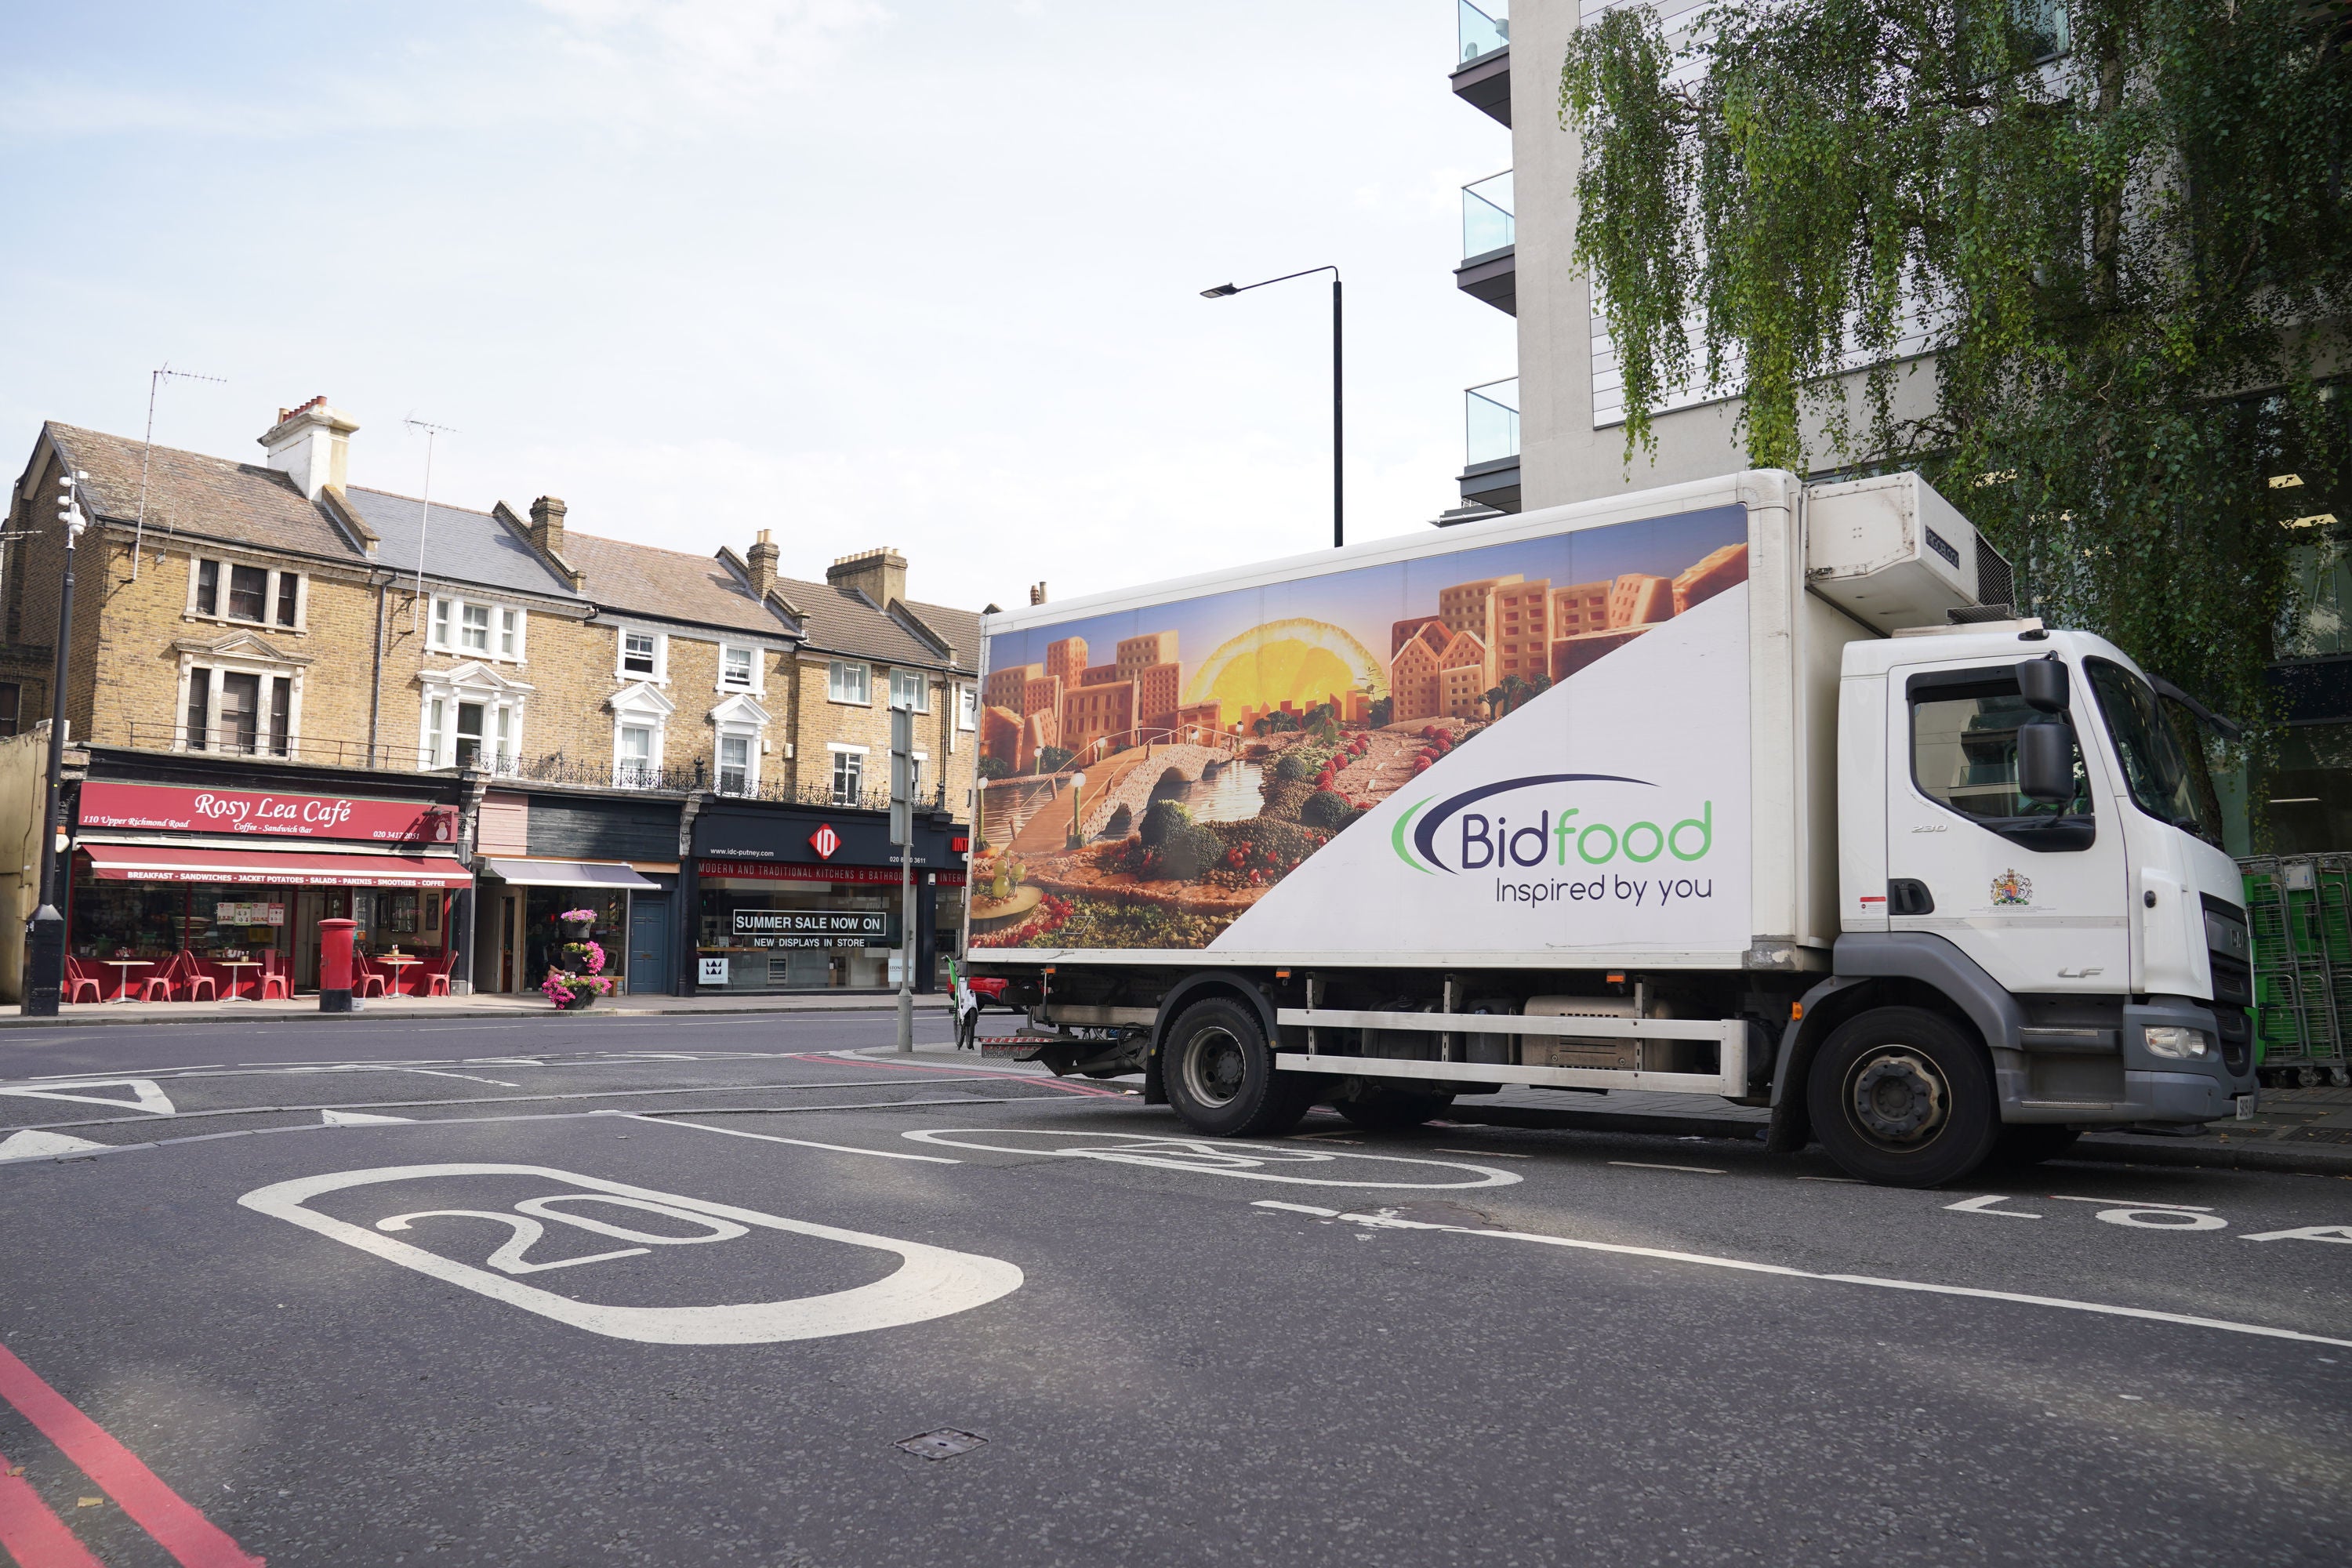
902,833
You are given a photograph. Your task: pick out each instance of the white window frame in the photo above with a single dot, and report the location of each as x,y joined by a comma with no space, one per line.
835,681
229,662
967,706
444,629
757,685
922,761
621,671
740,717
835,751
272,579
751,744
640,706
503,699
922,684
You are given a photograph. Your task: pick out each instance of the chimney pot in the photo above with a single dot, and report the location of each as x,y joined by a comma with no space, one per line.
762,559
879,574
547,525
1036,593
312,445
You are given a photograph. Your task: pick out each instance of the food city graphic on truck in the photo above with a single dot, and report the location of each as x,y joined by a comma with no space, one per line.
1152,802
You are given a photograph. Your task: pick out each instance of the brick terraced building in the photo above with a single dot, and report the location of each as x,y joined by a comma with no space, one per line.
271,629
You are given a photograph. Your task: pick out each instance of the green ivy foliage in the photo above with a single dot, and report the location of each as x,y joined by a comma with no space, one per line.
2117,227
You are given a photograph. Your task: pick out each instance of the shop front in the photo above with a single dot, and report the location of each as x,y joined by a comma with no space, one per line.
788,899
170,878
542,854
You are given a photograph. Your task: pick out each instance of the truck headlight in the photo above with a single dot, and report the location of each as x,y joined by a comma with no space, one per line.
2175,1041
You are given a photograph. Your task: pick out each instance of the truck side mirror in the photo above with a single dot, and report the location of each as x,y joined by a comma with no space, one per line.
2046,760
2042,683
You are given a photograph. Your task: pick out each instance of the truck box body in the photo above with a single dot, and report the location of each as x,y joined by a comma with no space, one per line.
1593,737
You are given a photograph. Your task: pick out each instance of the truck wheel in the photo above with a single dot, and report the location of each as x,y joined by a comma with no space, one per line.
1219,1074
2030,1145
1901,1098
1387,1110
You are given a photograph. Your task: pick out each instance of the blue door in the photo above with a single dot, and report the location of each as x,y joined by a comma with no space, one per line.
649,944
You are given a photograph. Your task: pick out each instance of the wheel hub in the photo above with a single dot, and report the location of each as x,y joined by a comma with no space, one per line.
1214,1067
1898,1096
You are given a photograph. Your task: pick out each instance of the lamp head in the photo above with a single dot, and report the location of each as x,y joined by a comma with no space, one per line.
1219,292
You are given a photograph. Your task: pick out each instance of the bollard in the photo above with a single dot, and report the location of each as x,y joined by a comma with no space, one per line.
335,965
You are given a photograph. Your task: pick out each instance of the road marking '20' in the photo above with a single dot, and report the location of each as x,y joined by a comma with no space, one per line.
930,1281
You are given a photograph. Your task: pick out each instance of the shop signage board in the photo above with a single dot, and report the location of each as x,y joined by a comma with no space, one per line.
815,928
265,814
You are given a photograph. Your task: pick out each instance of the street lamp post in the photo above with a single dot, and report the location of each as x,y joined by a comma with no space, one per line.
1077,796
1339,420
46,972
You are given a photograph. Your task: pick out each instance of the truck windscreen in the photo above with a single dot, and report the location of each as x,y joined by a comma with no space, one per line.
2153,769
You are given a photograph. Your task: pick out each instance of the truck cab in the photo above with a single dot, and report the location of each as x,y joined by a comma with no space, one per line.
2020,838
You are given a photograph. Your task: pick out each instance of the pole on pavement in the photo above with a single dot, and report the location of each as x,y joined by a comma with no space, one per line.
45,976
902,834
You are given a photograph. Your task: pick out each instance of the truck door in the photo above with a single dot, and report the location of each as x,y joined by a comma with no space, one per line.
2033,892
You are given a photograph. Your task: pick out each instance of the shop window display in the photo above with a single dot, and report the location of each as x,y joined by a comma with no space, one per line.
754,936
544,936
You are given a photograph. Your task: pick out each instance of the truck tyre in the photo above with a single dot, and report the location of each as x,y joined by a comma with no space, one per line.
1388,1109
2030,1145
1219,1074
1902,1098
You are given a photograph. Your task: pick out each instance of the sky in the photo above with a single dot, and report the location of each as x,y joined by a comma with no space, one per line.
863,272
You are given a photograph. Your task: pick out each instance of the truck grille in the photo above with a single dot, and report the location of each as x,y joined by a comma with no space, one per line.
2228,950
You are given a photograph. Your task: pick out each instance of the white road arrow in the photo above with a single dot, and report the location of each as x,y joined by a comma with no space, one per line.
144,1095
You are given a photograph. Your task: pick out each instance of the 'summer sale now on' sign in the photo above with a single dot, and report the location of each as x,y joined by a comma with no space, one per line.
177,810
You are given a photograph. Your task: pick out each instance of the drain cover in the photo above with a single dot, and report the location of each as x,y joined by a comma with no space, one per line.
944,1444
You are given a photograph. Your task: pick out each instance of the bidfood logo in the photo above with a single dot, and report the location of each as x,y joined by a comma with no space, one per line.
1528,825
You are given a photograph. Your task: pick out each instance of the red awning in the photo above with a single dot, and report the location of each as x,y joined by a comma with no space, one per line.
262,867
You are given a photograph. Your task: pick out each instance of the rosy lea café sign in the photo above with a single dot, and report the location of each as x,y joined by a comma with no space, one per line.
175,810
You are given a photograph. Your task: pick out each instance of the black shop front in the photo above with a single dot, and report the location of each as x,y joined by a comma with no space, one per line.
785,899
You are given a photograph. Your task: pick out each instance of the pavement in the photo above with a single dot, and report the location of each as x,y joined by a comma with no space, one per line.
758,1289
479,1004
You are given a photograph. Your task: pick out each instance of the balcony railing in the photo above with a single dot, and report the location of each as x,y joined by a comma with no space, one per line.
317,749
1482,34
1491,422
1487,222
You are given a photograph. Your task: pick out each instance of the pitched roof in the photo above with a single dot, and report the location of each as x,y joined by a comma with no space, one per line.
670,583
188,492
839,620
961,627
460,545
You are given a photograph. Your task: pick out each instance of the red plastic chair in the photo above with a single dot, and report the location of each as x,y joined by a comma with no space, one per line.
164,977
433,976
367,980
273,973
195,977
78,978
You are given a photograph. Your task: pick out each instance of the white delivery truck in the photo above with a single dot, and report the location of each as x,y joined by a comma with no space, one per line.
1739,788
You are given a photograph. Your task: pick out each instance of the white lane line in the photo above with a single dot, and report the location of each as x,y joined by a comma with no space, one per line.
1986,1205
1484,1153
2100,1308
1840,1181
1693,1170
2130,1204
803,1143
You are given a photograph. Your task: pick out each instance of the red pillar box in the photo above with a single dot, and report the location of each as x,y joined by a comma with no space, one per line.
335,965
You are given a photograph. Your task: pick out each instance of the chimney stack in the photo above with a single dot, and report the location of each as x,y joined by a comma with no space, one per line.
547,526
879,574
761,558
312,445
1036,593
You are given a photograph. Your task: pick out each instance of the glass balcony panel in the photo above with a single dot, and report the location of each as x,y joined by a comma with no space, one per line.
1492,422
1483,35
1487,223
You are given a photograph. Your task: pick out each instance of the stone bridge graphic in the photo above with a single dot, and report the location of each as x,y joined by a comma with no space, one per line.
1033,815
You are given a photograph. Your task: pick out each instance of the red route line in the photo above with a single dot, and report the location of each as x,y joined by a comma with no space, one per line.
30,1531
1008,1077
177,1525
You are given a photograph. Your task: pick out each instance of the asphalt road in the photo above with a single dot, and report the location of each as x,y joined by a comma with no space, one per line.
677,1291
